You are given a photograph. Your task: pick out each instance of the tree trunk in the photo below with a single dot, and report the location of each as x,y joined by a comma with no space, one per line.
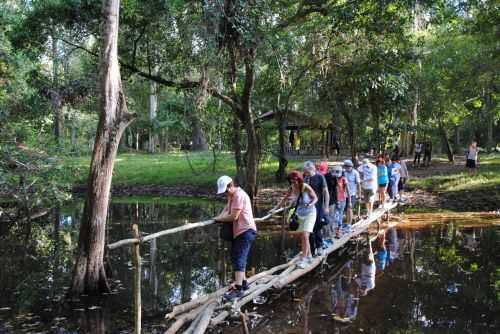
238,156
153,110
55,96
283,162
246,115
352,138
446,143
198,136
89,275
457,138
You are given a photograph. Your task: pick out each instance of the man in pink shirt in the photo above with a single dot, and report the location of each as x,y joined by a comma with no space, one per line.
238,212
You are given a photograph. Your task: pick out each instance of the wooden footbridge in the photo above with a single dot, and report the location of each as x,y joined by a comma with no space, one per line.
211,310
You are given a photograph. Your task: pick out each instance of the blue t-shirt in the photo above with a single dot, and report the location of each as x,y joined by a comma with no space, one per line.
395,167
389,170
382,175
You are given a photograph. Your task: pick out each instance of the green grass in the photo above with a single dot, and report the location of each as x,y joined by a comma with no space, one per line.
461,191
172,169
488,176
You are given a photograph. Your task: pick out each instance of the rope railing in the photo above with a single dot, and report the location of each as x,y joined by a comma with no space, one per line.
131,241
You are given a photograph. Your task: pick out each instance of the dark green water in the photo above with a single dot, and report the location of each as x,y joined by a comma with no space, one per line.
443,278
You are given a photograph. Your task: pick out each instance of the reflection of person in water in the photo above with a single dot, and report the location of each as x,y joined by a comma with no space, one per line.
344,296
366,280
381,255
393,244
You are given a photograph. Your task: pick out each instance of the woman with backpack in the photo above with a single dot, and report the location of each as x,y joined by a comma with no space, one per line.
304,199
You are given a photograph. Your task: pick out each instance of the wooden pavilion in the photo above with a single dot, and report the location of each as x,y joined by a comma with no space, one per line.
307,134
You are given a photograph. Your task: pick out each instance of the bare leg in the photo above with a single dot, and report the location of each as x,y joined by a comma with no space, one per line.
239,277
306,248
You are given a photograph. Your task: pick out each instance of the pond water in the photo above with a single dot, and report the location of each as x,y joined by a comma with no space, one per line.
437,278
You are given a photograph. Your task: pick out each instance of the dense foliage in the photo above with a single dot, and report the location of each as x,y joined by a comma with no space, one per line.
376,72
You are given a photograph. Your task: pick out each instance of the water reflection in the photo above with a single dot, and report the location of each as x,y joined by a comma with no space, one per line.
442,278
381,291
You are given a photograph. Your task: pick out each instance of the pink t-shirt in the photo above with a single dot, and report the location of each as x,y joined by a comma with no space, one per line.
241,201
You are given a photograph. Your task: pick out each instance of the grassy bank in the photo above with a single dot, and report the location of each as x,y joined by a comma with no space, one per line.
172,169
458,189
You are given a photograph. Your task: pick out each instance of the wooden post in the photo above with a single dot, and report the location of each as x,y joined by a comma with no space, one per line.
136,259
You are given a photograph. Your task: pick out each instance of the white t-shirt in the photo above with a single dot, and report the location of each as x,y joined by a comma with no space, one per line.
368,276
352,181
418,148
369,175
472,154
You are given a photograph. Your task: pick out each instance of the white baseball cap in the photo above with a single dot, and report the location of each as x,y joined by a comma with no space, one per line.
222,183
309,166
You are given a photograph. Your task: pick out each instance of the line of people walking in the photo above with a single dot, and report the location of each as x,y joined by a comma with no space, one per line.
321,197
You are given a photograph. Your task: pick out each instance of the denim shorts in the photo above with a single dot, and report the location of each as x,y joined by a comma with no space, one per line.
351,201
241,248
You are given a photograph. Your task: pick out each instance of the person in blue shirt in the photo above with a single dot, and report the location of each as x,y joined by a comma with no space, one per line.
382,178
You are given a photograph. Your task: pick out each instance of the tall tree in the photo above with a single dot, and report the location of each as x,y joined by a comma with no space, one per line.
89,275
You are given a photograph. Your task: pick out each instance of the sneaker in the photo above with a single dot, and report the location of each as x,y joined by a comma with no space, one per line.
233,294
302,264
346,228
319,252
308,259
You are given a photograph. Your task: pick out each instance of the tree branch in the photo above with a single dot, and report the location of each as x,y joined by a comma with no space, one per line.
186,84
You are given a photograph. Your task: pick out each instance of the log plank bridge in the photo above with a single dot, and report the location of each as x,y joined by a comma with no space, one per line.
212,310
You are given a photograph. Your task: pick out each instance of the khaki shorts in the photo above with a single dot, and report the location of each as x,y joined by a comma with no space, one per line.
306,223
369,195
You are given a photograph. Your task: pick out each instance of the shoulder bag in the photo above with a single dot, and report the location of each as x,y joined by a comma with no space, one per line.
293,224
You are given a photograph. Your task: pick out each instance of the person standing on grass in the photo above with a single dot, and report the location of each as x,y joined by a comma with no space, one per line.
306,212
368,173
403,179
418,153
318,184
354,185
427,153
472,158
238,211
382,178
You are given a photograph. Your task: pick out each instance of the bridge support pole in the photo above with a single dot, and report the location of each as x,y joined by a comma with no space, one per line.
136,259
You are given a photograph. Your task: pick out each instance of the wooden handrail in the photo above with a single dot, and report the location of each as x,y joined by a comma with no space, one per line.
186,227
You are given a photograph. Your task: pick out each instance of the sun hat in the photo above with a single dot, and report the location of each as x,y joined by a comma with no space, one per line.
337,168
222,184
348,163
309,166
323,167
366,161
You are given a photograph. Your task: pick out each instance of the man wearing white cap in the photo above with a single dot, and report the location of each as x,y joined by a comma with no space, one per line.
238,212
354,185
368,173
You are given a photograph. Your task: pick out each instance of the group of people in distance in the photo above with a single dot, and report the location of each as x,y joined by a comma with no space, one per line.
323,196
426,149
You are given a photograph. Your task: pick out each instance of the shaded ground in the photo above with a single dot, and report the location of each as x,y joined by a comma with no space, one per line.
448,186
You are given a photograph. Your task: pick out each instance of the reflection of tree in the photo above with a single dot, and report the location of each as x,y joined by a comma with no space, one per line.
93,322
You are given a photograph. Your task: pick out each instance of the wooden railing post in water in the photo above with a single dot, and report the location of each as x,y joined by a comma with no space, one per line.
136,259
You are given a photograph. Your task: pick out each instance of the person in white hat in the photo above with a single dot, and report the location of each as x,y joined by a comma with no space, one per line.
238,212
354,185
